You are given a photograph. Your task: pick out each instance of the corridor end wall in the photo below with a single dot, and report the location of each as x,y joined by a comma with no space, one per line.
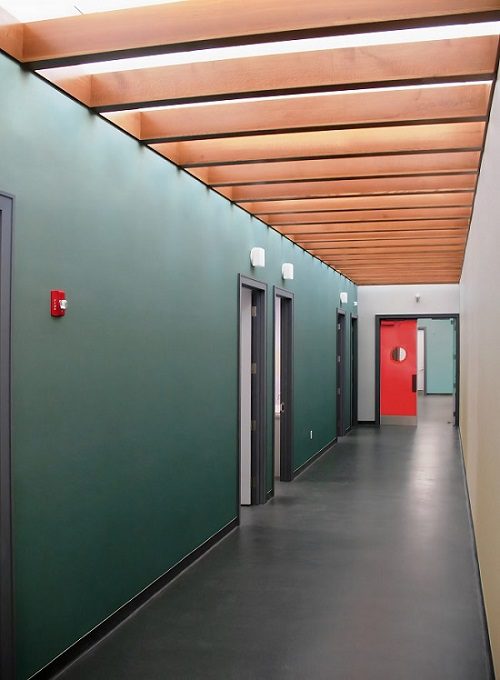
373,300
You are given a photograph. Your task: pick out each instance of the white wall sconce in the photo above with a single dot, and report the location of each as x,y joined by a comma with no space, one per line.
355,303
344,297
417,297
287,271
258,257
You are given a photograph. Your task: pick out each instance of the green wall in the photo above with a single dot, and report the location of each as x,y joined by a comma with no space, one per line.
125,411
439,361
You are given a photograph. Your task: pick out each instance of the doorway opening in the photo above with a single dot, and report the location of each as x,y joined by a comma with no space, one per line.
354,371
340,373
283,385
421,341
417,369
6,590
252,392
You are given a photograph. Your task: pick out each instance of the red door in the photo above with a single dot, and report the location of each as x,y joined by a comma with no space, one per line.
398,372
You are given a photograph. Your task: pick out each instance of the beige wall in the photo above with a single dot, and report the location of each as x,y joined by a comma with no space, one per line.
480,373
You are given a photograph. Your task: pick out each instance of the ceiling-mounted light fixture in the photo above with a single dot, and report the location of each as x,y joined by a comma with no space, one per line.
287,271
258,257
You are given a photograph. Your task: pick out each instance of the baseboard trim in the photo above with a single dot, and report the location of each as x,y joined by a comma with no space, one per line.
366,423
487,641
439,394
269,494
313,458
94,636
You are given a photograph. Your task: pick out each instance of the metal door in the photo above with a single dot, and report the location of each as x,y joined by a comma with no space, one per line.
398,372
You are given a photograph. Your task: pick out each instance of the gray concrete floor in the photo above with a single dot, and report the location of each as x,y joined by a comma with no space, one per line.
363,568
435,408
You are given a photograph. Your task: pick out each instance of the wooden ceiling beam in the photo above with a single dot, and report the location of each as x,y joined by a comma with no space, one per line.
421,250
411,280
365,277
411,259
325,144
308,240
402,273
330,168
359,245
373,276
463,199
388,215
421,226
11,35
325,112
415,255
409,266
350,187
403,269
200,24
444,61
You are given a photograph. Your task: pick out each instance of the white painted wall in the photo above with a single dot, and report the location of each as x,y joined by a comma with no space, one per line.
373,300
480,373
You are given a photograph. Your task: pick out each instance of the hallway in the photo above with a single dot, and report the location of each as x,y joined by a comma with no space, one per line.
363,568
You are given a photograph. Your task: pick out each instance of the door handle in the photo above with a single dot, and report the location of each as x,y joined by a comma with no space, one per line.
414,382
282,407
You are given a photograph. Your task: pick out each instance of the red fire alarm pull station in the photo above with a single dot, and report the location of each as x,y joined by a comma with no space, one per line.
58,303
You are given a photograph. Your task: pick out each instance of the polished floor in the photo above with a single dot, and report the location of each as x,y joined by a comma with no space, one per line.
363,568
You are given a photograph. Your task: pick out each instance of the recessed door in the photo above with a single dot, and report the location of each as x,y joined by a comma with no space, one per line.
340,359
398,372
252,412
246,397
354,371
283,392
6,602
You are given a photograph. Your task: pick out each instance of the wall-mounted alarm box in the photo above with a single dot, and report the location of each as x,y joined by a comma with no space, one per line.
58,302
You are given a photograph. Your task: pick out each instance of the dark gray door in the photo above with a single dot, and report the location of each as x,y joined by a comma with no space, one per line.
340,373
354,371
284,421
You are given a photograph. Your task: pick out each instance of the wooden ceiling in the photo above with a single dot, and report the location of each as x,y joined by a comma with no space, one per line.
365,155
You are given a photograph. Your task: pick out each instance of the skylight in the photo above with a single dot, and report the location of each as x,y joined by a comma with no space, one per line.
37,10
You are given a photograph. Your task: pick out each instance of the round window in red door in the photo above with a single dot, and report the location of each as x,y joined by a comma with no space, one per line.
398,354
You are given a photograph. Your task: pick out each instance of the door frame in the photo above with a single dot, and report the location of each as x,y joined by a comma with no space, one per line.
379,318
286,425
424,330
354,370
6,570
259,436
340,372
